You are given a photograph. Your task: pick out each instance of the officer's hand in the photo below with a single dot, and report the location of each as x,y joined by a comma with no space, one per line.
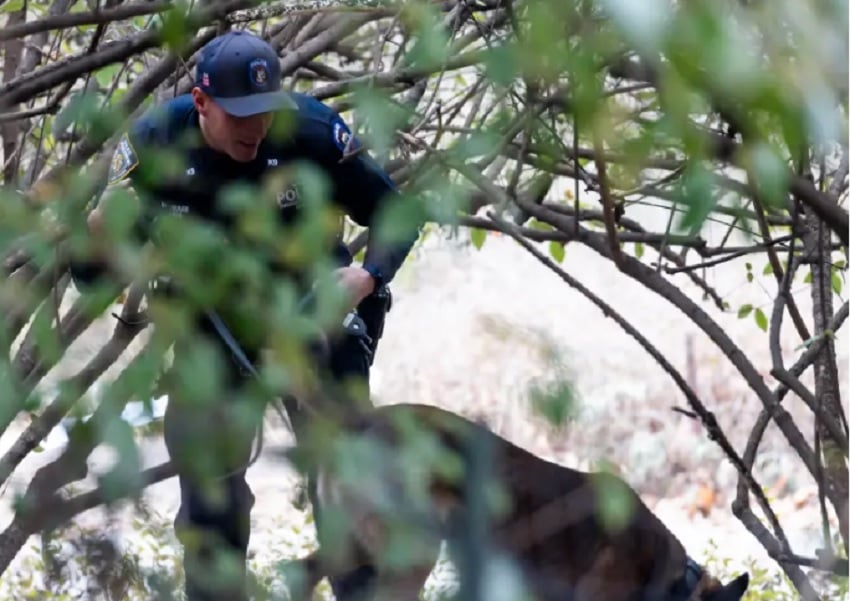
357,282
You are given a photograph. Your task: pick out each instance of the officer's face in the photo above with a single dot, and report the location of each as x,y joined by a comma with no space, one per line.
237,137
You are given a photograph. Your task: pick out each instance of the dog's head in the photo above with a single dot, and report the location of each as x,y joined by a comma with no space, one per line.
711,589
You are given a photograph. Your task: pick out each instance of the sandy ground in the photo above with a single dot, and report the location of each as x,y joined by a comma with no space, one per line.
466,333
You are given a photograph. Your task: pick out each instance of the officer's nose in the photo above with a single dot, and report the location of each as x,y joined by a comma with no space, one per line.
255,125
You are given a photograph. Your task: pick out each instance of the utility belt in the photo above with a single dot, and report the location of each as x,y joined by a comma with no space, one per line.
373,310
365,322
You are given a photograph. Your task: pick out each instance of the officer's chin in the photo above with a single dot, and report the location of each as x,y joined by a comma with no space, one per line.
243,152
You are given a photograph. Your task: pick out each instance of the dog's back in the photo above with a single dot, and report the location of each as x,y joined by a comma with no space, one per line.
575,535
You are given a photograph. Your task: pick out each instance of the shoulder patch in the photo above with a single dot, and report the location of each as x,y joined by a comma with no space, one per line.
124,160
343,139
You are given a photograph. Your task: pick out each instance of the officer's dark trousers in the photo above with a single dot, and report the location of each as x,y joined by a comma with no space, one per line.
211,448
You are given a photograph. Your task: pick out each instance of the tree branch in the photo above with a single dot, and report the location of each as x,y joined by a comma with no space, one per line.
30,84
41,426
713,429
796,317
811,353
724,148
40,497
655,282
62,510
607,201
94,17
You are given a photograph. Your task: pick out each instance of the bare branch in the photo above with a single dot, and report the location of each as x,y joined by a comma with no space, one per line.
816,346
30,84
94,17
62,510
802,330
655,282
725,148
707,418
607,201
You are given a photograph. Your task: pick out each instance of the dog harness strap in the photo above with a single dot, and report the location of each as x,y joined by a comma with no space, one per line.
684,587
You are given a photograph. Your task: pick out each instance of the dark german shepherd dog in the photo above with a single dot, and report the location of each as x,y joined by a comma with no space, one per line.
404,493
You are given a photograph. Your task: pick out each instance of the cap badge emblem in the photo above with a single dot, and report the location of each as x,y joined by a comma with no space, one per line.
259,72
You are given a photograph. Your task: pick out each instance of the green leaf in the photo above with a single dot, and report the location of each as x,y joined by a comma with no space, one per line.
557,402
12,6
475,145
808,278
106,75
540,226
642,23
744,310
478,236
125,476
380,116
431,44
639,250
175,27
808,343
556,249
500,65
836,282
614,502
696,194
768,269
761,319
81,108
770,173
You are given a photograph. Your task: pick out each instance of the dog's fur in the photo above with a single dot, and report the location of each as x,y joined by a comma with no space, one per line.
551,526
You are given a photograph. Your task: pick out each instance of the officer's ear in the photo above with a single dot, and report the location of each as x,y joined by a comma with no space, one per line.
201,100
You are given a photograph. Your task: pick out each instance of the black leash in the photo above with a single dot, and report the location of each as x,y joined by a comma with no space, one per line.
239,354
352,323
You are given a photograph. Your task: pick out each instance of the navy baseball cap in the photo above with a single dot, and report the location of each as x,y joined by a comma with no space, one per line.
241,72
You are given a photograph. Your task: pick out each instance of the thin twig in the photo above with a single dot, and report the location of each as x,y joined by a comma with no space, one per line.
733,254
607,201
796,317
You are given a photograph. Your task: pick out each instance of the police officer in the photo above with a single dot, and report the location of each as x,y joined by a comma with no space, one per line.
229,113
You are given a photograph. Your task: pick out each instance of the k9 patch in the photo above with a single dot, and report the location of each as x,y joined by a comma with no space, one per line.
124,160
343,138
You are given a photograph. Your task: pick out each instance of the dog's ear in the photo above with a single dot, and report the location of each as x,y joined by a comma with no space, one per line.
732,591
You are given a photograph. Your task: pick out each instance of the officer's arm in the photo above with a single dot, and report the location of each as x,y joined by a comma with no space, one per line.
365,190
120,187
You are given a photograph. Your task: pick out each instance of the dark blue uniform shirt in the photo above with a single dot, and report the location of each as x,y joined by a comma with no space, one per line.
358,184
